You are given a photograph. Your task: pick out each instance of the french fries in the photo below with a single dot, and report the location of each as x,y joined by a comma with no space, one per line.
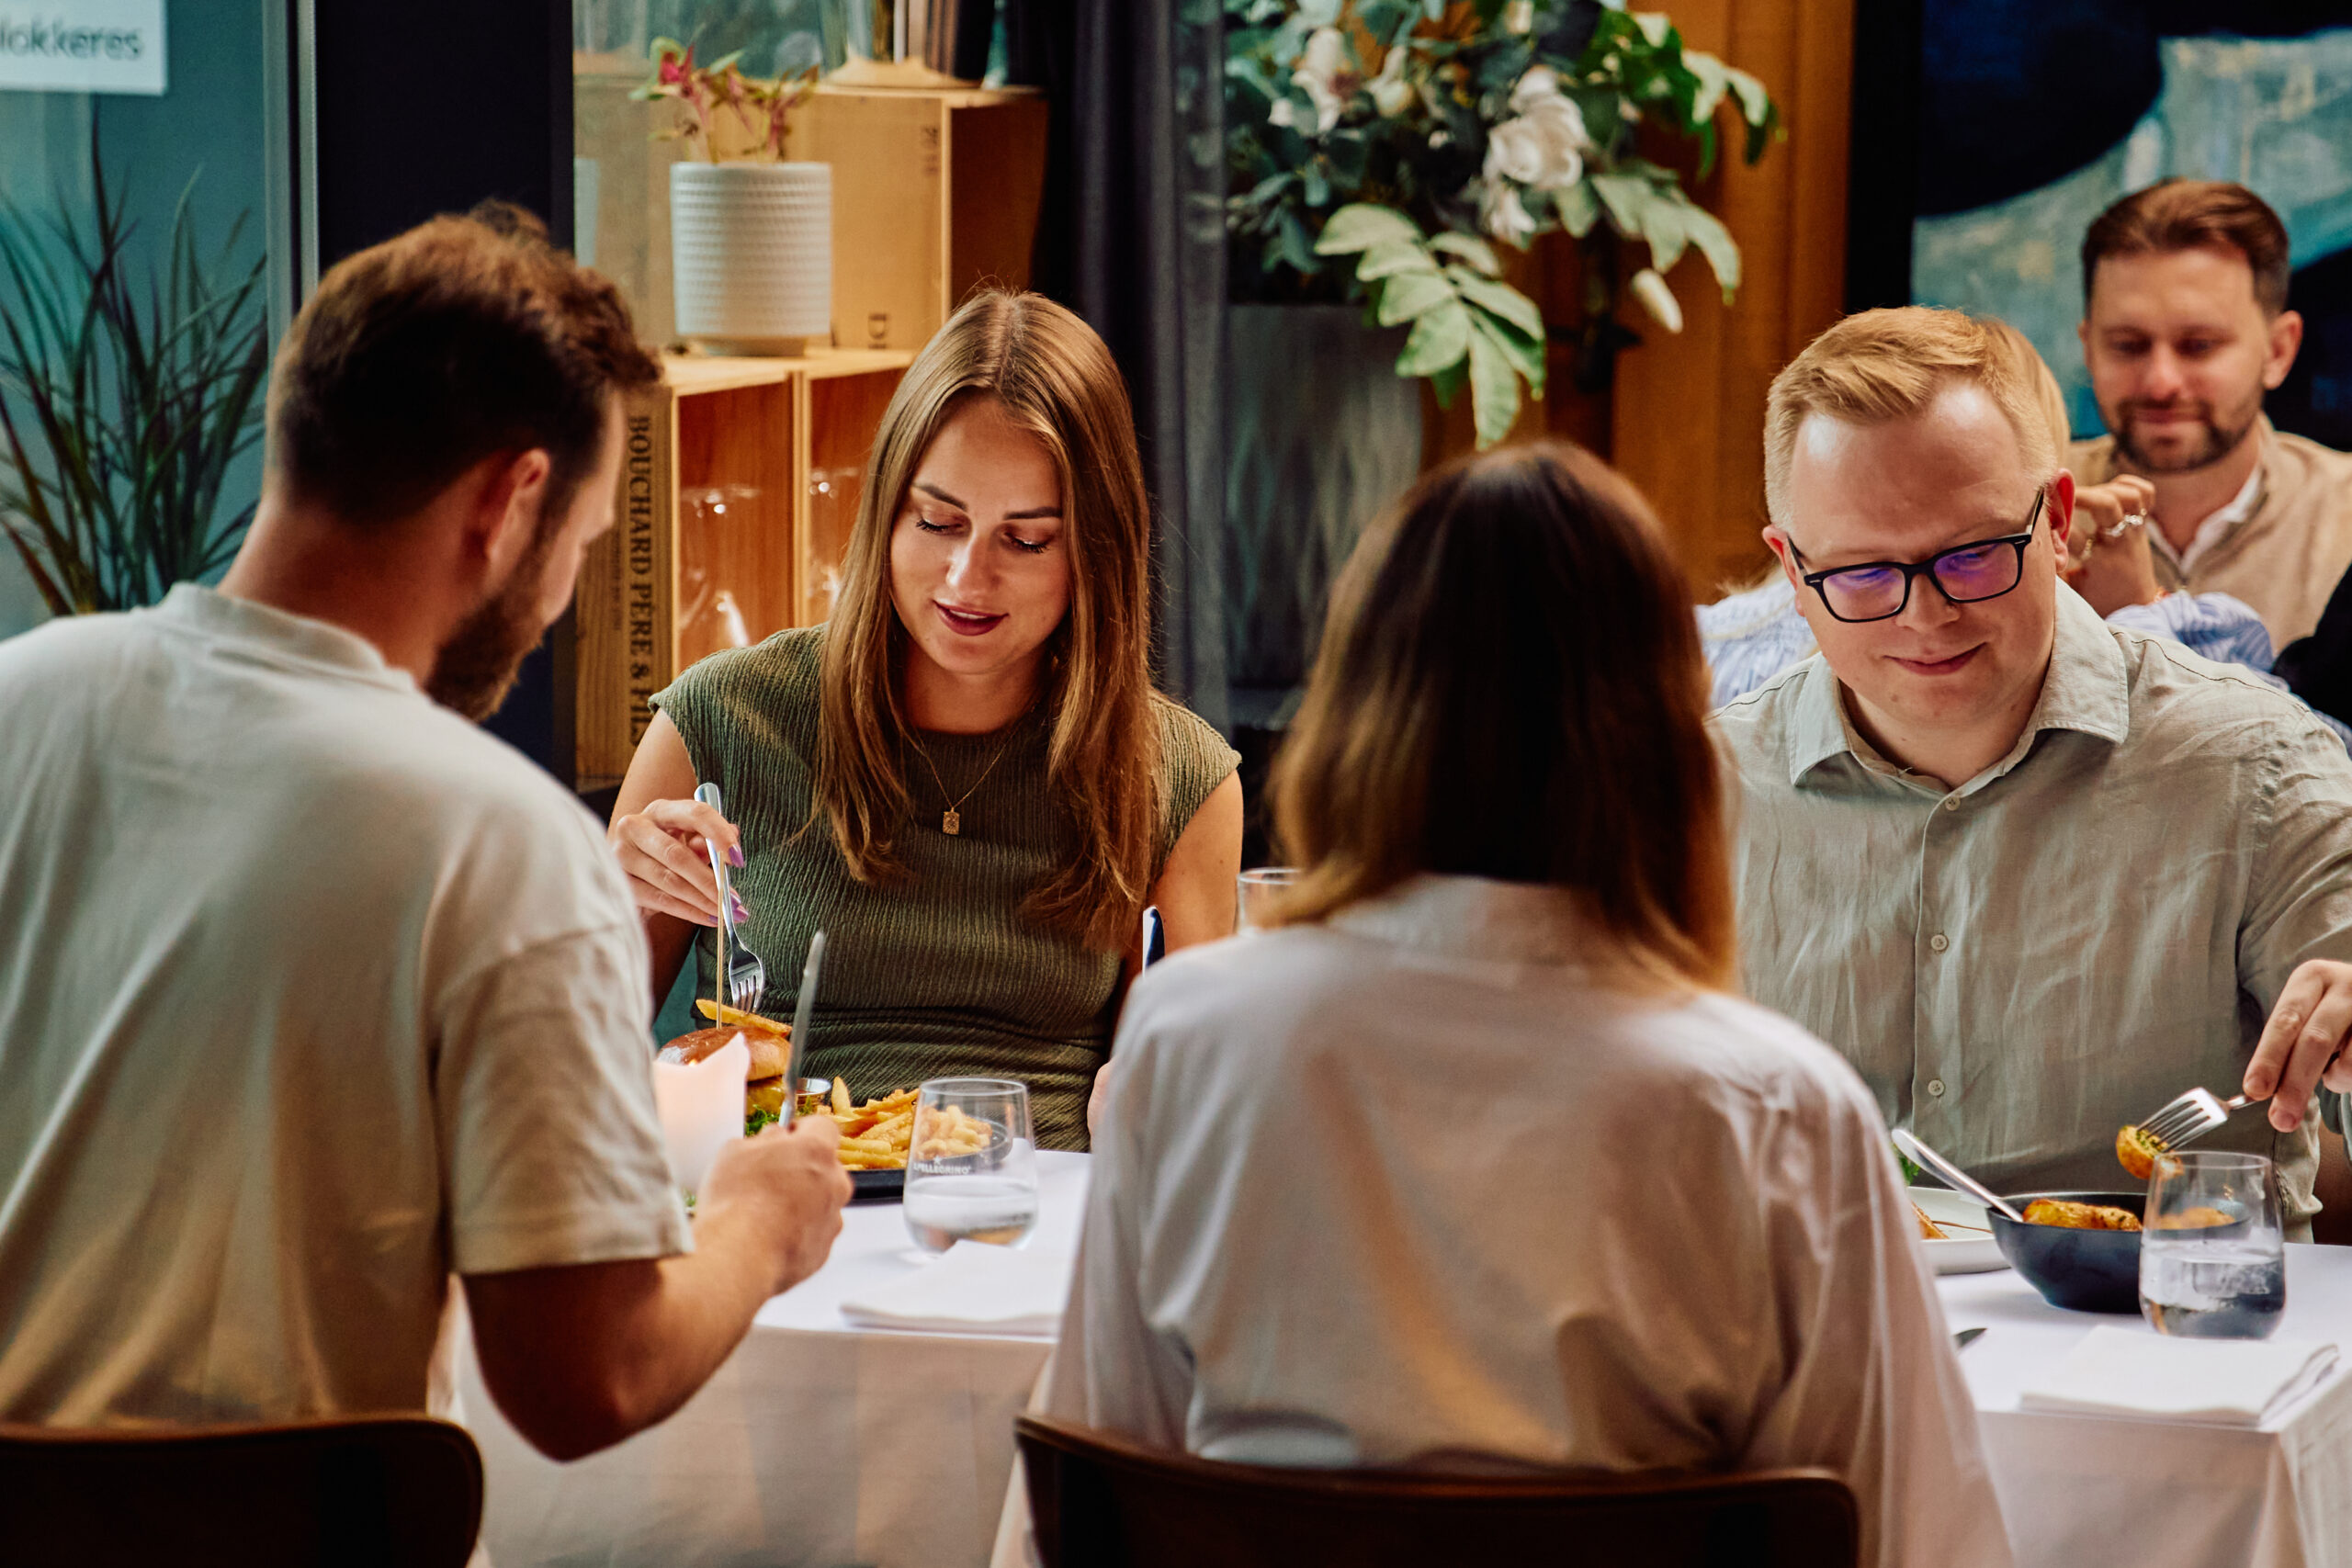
1928,1229
880,1133
874,1135
727,1017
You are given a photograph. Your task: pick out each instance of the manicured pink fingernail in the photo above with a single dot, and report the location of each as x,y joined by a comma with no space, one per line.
735,855
743,911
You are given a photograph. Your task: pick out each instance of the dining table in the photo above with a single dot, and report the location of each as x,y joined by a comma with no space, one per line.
826,1444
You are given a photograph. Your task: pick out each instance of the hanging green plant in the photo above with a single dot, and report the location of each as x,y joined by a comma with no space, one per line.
126,396
1408,134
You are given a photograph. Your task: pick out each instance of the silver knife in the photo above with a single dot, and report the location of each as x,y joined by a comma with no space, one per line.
800,1012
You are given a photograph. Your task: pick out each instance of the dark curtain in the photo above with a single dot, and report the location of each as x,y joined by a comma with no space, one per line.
1132,238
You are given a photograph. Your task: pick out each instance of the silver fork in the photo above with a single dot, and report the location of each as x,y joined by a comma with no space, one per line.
742,976
2190,1118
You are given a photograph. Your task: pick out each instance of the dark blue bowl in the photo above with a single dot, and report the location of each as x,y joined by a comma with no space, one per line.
2080,1270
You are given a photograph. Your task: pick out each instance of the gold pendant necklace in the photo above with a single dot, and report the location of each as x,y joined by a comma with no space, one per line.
951,821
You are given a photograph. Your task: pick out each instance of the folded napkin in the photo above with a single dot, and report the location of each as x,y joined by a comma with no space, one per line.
972,1285
2217,1382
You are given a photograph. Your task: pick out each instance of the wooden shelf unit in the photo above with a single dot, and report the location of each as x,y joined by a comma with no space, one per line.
935,192
737,492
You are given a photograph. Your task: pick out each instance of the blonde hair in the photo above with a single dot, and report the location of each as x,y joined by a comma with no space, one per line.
2047,395
1888,365
1511,686
1055,379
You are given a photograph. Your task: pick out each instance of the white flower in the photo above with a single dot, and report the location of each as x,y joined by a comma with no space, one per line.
1502,214
1324,71
1539,149
1539,84
1657,299
1519,17
1280,114
1391,94
1543,146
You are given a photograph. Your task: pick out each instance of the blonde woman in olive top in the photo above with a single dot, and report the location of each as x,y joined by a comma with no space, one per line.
965,778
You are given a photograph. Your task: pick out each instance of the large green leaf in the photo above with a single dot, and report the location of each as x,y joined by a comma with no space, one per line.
1448,383
1389,257
1440,338
1714,242
1494,390
1471,249
1361,225
1626,197
1525,356
1663,227
1578,208
1499,300
1409,294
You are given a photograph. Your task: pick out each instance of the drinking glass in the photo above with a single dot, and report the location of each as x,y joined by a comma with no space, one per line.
972,1168
2212,1258
1259,887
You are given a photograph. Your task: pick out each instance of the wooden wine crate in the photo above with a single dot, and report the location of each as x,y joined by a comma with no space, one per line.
935,192
738,491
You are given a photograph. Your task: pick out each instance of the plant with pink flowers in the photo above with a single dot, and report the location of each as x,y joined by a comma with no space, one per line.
709,96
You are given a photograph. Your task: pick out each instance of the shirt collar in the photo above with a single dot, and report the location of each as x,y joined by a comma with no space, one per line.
280,633
1476,916
2224,519
2086,690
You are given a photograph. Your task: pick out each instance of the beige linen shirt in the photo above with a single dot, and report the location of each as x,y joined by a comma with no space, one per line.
1421,1188
2285,554
2097,923
310,994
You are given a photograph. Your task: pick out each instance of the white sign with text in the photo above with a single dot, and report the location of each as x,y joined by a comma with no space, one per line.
82,46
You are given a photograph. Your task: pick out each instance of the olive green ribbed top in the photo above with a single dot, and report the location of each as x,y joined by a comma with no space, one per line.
937,975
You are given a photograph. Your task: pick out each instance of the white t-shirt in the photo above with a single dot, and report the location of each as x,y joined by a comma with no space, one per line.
1411,1190
310,994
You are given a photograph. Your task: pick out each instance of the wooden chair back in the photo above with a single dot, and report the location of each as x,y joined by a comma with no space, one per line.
373,1492
1097,1502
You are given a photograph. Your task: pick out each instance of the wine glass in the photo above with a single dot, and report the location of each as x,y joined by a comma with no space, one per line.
2212,1256
1259,887
972,1167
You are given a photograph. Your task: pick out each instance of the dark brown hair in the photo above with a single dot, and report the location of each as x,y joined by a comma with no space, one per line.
1511,686
2181,215
419,357
1054,378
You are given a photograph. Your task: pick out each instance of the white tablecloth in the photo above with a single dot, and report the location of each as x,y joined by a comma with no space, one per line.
815,1444
2079,1490
818,1444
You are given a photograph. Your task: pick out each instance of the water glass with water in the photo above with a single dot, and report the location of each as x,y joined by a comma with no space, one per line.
972,1167
2213,1256
1260,887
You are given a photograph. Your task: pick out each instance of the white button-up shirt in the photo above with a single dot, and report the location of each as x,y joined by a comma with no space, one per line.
1425,1186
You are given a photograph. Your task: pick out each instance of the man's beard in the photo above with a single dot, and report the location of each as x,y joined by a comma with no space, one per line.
476,668
2220,440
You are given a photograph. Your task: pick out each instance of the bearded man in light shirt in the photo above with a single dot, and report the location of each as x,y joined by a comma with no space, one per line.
2185,328
2033,873
312,993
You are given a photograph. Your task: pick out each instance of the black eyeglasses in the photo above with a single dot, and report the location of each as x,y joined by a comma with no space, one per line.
1966,574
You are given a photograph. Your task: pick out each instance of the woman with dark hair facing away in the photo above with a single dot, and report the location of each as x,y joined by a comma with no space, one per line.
1472,1162
964,777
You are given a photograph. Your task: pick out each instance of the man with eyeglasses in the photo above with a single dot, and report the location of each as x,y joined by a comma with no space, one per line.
2033,874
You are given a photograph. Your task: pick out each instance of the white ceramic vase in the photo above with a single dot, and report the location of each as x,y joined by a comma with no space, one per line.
751,256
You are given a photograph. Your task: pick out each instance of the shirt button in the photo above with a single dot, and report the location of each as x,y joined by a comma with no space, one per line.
1939,941
1936,1088
1952,805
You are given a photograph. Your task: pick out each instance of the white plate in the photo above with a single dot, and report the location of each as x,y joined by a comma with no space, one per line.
1972,1249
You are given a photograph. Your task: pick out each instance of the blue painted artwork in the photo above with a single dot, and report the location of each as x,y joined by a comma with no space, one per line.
2038,114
